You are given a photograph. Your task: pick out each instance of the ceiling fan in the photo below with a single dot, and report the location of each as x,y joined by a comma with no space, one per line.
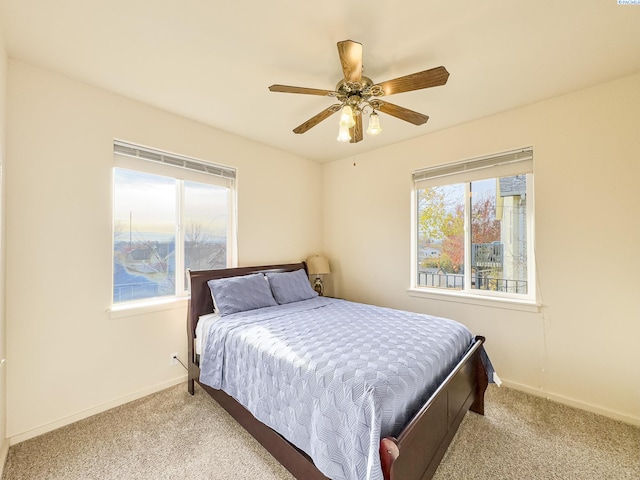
356,94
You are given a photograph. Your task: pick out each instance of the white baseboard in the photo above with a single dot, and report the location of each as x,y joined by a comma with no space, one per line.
605,412
4,451
161,386
21,437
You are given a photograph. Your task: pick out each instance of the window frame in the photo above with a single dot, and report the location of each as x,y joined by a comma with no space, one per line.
467,171
155,162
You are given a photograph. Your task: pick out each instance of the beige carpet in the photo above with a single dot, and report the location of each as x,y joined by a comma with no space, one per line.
171,435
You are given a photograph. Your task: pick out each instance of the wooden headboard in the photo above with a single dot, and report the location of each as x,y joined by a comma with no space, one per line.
201,302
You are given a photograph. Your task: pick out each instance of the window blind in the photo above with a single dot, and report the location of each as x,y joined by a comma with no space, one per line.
498,165
170,164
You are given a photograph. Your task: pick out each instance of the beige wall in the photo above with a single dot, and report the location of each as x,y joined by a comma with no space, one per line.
4,444
66,357
582,347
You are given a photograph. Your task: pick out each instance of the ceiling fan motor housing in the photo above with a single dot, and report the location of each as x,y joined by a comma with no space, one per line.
354,93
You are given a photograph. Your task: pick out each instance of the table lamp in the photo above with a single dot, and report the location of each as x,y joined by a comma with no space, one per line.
318,265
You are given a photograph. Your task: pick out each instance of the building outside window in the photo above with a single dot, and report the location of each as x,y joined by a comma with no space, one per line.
474,226
170,213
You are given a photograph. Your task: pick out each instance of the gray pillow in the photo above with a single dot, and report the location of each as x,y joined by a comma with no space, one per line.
290,287
237,294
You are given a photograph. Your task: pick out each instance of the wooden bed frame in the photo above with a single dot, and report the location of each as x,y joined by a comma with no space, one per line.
414,455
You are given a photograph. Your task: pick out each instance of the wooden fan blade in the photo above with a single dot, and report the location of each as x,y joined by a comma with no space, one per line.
304,90
428,78
356,130
402,113
350,53
316,119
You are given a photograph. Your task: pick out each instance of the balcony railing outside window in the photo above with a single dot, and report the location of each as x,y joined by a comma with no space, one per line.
487,255
480,282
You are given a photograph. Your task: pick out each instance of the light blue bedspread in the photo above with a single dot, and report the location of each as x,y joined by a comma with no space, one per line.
331,376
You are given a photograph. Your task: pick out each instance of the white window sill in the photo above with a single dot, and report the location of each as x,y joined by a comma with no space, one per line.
140,308
471,299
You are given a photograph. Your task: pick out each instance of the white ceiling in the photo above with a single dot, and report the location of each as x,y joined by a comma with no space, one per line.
212,61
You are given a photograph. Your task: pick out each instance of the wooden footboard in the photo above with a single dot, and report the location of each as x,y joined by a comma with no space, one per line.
417,451
424,441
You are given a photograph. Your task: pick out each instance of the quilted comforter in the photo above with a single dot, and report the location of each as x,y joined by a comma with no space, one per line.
331,376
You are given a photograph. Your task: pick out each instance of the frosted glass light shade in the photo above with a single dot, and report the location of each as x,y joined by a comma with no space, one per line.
343,134
346,117
374,124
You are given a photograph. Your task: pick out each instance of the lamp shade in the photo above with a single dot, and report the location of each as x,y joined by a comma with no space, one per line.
343,134
374,124
346,117
318,265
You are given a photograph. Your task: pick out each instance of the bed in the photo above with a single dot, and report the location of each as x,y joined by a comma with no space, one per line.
409,450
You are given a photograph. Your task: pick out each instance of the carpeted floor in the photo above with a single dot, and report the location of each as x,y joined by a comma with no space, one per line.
526,437
171,435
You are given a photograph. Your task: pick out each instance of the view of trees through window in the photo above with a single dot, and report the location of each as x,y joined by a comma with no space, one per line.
496,219
148,210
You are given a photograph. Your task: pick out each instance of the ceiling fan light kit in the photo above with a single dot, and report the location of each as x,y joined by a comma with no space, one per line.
343,134
356,93
374,124
346,118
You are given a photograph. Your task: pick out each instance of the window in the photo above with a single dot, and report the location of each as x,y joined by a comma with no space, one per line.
170,213
474,227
